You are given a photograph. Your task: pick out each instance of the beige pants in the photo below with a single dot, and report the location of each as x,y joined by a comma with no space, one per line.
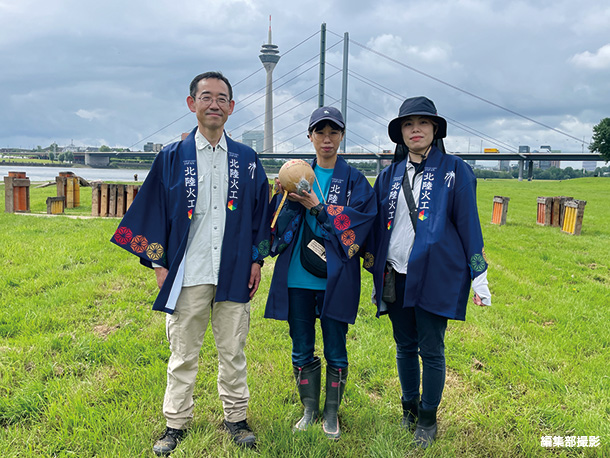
185,331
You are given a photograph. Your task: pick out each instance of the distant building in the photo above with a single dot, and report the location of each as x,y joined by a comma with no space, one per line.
157,147
70,148
545,165
524,149
255,139
471,162
556,164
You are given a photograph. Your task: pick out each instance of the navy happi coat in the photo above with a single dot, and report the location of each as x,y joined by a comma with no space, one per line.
156,226
345,223
448,249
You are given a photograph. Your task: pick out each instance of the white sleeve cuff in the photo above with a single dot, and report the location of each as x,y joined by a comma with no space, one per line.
480,287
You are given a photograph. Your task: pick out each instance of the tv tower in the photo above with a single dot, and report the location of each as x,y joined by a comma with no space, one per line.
269,57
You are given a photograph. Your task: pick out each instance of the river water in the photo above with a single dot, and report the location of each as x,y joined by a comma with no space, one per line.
89,174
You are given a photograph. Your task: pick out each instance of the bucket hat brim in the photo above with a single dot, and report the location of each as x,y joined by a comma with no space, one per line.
416,106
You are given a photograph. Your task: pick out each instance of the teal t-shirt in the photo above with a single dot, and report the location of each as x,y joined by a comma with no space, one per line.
298,277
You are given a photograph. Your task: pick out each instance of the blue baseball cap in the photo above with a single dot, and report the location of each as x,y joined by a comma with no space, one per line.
326,114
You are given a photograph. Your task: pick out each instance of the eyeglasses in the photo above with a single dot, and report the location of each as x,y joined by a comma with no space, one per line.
333,135
207,100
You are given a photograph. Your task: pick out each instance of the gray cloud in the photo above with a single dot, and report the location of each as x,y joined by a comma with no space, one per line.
116,72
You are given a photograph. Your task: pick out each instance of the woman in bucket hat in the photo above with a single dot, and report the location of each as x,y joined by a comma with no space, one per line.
425,252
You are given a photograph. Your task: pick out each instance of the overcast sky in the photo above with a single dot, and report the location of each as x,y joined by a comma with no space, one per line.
117,72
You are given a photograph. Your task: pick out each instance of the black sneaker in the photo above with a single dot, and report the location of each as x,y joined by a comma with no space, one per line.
241,433
169,441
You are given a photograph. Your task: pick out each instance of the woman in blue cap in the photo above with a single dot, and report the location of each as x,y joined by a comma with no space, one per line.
425,252
317,273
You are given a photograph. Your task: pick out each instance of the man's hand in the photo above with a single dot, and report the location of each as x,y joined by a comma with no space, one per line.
161,273
255,279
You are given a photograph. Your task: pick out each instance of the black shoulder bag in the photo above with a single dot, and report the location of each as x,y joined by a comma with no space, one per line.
313,253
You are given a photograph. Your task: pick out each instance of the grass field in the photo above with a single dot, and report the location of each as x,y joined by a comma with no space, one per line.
83,358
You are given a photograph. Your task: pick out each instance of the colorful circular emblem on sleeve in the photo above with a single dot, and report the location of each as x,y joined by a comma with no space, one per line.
353,250
139,244
154,251
263,248
342,222
369,260
334,210
123,235
477,262
348,237
254,253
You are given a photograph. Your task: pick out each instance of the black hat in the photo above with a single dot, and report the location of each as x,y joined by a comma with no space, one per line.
326,114
421,106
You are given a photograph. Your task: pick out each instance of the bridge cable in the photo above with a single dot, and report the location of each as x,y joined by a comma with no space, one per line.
234,85
460,89
457,124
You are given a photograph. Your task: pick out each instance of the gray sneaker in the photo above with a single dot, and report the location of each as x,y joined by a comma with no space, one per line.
169,441
241,433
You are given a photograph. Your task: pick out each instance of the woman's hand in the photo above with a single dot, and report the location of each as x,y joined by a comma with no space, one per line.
281,190
307,199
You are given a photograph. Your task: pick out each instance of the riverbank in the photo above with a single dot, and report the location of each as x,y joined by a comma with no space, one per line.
36,163
13,163
48,173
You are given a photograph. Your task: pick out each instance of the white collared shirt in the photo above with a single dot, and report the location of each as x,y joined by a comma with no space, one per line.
204,246
403,235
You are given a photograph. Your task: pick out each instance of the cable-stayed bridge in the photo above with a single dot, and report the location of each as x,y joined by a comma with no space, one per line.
296,89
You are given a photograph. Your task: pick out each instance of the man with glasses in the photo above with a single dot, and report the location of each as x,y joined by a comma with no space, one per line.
200,220
317,273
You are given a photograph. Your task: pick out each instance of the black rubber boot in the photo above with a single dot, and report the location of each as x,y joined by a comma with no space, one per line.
308,380
409,413
425,431
335,385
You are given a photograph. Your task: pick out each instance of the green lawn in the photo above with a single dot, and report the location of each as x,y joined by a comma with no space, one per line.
83,358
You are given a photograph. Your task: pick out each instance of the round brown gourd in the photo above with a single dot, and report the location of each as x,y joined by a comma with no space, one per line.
297,176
